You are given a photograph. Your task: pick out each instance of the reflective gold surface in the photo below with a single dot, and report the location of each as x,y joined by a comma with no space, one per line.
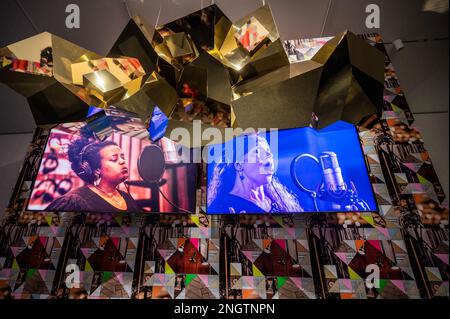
200,67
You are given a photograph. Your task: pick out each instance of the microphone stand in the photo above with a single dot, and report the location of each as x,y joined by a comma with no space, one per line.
314,199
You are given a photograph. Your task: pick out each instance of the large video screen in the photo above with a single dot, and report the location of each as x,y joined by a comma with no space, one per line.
123,172
290,171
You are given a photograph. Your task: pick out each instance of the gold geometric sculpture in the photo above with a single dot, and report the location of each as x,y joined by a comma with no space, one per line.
200,67
63,88
343,81
351,85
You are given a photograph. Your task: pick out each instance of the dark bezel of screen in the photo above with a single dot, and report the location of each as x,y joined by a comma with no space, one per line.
377,211
106,212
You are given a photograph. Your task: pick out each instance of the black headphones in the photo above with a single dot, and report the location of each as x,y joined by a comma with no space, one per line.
85,171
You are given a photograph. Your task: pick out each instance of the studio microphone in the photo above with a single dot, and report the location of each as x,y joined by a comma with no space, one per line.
333,181
330,186
151,167
335,187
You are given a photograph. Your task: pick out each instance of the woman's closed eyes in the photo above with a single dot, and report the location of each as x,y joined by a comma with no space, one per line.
116,157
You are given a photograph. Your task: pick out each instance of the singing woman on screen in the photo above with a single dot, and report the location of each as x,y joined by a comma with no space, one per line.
248,184
103,167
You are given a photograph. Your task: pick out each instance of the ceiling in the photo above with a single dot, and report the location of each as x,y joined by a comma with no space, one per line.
103,20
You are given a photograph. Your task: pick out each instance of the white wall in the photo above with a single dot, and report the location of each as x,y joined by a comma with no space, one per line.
434,129
422,69
13,149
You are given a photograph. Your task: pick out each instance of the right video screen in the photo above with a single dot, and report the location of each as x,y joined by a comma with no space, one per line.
290,171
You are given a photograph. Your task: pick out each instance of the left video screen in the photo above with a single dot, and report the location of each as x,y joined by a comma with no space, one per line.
120,173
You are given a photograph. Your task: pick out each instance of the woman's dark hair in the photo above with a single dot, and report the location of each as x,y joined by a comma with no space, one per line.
47,56
84,157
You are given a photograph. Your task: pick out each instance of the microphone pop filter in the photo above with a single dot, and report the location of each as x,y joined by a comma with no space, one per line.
306,173
151,163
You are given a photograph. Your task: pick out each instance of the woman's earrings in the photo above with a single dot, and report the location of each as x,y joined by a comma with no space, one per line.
239,169
97,179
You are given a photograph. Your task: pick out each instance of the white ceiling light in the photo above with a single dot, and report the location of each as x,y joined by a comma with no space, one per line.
398,44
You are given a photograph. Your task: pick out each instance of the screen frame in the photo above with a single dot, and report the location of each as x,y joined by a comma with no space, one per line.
33,184
367,173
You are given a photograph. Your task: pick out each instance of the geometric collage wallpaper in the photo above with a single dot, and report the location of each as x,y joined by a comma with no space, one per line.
199,256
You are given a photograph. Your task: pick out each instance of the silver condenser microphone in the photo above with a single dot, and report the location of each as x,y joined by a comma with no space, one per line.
332,175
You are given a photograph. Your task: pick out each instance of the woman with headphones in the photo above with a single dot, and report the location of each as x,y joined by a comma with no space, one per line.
103,167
